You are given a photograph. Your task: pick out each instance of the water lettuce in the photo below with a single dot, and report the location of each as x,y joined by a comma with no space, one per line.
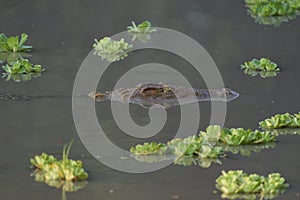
194,146
263,64
52,169
238,182
13,43
149,148
111,50
240,136
281,121
144,28
267,8
21,70
264,67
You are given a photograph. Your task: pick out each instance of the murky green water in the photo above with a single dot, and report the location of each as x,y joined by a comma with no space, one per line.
62,33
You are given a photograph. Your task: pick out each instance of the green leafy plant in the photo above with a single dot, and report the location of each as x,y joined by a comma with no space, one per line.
194,146
240,136
13,43
281,121
267,8
264,67
149,148
21,68
111,50
238,182
144,27
52,169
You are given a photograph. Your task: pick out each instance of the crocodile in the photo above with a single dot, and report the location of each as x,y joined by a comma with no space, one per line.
20,97
149,94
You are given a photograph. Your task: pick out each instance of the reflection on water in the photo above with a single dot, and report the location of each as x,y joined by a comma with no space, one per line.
263,74
247,150
275,21
21,77
65,186
249,196
142,37
286,131
9,57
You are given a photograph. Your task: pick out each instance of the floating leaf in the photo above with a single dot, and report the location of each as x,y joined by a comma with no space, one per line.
264,67
149,148
281,121
111,50
49,168
144,27
238,182
22,69
13,44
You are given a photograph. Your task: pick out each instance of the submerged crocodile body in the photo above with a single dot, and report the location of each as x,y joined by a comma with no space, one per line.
167,96
15,97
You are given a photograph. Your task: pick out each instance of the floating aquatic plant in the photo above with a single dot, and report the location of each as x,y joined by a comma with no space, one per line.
235,136
144,28
237,182
194,146
266,8
240,136
52,169
149,148
264,67
281,121
21,70
13,43
111,50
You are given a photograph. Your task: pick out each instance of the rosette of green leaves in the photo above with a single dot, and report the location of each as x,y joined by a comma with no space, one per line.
272,7
13,43
49,168
263,64
240,136
149,148
144,28
281,121
111,50
194,146
43,160
20,70
238,182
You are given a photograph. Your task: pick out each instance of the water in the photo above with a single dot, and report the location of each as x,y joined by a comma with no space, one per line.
62,34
